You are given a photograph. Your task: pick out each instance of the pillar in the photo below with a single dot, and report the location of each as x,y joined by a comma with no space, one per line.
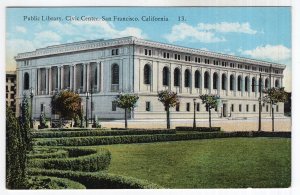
99,76
47,81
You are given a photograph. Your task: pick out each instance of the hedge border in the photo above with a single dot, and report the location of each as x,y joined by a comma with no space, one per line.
70,184
57,134
200,129
126,139
58,154
98,180
88,160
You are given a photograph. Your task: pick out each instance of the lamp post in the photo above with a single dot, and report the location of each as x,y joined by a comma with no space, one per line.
86,107
31,105
194,122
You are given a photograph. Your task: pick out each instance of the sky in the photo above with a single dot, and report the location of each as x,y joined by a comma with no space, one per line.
262,33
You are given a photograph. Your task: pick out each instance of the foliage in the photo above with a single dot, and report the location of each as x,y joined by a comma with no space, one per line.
275,95
46,182
67,104
127,139
168,98
15,155
127,101
52,134
99,180
200,129
210,101
80,160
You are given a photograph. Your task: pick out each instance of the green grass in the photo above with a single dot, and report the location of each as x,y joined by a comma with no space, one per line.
213,163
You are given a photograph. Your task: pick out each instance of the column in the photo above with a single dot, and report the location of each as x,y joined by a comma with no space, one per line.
228,83
211,80
84,77
59,78
219,83
47,81
39,80
71,77
88,83
62,77
50,81
202,81
99,76
74,77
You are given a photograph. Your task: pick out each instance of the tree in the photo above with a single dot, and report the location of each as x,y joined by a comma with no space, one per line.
211,102
168,99
273,96
15,172
67,104
126,102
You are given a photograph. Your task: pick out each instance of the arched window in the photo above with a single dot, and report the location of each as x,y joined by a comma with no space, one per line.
215,80
231,82
177,77
253,84
206,80
165,76
197,79
26,81
239,83
247,84
266,83
147,74
115,74
187,77
224,82
276,83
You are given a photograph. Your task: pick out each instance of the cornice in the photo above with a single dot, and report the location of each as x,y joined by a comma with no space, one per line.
101,43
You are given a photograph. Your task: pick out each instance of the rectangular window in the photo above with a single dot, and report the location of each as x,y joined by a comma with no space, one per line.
267,108
165,54
114,106
148,106
42,107
254,108
117,51
247,108
277,108
178,57
187,107
198,107
146,52
150,52
240,107
168,55
112,52
11,88
232,107
12,96
6,88
178,107
175,56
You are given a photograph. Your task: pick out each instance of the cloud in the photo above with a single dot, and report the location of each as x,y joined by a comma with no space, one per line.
184,31
21,29
275,53
226,27
47,36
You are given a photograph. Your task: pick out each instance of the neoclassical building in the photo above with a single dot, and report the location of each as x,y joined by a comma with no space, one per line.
132,65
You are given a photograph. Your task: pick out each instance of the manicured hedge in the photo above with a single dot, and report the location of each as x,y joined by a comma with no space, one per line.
96,161
83,133
46,182
98,180
56,154
126,139
201,129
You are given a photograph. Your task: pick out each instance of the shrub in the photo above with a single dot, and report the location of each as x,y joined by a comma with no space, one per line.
46,182
98,180
98,133
126,139
94,160
55,154
201,129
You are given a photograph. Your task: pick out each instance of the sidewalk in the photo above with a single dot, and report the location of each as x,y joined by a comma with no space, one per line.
281,124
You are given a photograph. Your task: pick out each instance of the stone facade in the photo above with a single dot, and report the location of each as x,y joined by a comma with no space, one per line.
132,65
11,80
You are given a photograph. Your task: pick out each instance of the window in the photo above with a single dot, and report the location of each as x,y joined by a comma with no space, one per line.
166,76
187,107
232,107
240,107
197,79
177,107
187,78
253,84
224,82
12,96
187,58
231,82
147,52
247,108
206,80
115,74
42,108
114,52
198,107
26,81
254,108
277,83
176,56
266,83
177,77
166,55
260,84
215,81
6,88
197,60
267,108
239,83
206,61
246,84
148,106
113,106
147,74
277,108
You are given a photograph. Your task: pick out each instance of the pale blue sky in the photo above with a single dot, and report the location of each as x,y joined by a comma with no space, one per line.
255,32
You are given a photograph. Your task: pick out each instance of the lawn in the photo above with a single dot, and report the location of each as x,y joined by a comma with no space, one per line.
210,163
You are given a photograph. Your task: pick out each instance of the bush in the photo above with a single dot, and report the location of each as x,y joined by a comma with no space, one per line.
126,139
55,154
98,133
98,180
46,182
201,129
94,160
